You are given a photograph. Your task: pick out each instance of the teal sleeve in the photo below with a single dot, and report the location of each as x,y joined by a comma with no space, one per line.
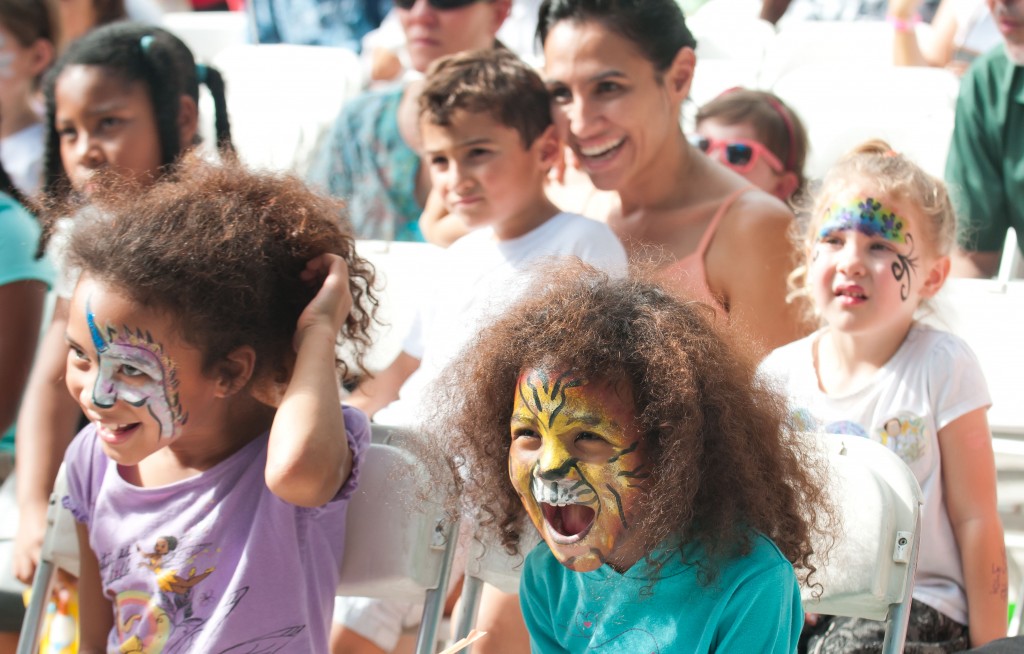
19,239
534,599
974,169
764,614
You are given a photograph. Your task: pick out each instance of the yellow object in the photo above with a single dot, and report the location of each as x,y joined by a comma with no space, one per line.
60,626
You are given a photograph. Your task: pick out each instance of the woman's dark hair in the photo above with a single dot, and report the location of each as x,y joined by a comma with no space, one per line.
136,53
221,249
725,464
656,27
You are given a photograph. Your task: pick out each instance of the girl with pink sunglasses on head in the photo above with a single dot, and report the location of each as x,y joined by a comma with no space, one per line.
758,136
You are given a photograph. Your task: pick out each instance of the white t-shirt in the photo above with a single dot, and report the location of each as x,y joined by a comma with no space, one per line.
478,277
22,157
933,379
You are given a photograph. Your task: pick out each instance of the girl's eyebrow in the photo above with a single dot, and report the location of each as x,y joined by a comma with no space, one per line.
70,341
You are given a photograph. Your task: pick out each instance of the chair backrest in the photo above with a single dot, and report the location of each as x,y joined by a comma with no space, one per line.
207,33
869,572
912,108
395,536
403,277
283,98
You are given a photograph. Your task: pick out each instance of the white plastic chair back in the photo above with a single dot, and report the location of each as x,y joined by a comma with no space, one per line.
912,108
283,98
207,33
403,273
870,570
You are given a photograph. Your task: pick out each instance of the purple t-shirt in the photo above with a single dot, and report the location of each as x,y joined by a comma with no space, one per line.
217,562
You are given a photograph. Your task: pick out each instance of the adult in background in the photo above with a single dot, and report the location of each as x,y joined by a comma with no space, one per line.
618,72
985,168
371,156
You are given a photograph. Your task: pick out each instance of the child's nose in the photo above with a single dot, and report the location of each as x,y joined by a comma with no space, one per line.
104,390
556,462
850,261
90,154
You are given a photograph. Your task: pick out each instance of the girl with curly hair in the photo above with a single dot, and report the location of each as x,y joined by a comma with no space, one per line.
201,348
672,499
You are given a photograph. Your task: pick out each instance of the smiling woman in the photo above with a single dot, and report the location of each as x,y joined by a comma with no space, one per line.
618,73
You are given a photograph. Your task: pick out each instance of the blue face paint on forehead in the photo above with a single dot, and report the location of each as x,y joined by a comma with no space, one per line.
98,341
866,216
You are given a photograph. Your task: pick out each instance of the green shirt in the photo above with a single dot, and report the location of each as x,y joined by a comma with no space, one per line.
753,605
985,168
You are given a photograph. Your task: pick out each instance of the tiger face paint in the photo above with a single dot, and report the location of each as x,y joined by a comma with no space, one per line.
578,463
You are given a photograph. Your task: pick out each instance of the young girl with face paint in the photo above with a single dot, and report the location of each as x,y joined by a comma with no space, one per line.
876,248
211,483
121,107
671,497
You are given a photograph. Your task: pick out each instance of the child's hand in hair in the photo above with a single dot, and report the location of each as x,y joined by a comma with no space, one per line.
332,304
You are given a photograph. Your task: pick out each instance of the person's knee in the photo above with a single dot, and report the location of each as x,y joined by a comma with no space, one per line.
346,641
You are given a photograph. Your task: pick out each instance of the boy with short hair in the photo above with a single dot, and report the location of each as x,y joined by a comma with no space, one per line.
487,134
488,139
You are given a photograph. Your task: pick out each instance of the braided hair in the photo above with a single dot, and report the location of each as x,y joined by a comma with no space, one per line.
136,53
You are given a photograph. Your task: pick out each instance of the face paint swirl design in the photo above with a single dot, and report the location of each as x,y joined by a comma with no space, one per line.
578,465
135,369
870,218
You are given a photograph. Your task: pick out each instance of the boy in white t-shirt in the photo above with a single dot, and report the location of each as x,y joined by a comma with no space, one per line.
485,120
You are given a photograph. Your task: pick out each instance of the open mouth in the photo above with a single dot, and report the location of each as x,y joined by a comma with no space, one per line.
568,523
115,433
854,293
601,151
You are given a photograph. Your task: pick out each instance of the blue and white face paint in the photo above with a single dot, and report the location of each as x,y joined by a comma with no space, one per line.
134,369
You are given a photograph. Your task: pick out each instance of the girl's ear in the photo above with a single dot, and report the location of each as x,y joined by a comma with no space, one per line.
235,371
679,75
935,276
502,8
786,185
188,121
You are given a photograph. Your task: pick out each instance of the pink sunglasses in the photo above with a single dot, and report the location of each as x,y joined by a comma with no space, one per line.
740,154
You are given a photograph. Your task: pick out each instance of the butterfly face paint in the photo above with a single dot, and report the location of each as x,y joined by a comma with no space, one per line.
134,369
871,218
578,463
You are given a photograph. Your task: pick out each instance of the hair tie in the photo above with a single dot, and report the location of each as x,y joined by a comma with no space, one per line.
145,42
201,71
890,154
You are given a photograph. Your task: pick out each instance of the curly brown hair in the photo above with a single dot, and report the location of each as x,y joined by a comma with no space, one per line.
221,248
728,465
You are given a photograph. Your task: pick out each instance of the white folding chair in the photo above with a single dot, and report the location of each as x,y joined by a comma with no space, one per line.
398,544
869,572
282,99
912,108
402,280
207,33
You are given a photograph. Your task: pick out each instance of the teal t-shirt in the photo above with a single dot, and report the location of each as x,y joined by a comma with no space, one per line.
752,606
19,237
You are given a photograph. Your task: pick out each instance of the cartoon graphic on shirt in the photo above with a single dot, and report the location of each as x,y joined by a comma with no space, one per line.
175,589
153,382
905,434
845,428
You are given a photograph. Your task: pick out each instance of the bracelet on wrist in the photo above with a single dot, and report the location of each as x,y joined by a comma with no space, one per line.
903,24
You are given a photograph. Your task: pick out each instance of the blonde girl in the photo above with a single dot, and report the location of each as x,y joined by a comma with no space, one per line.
876,248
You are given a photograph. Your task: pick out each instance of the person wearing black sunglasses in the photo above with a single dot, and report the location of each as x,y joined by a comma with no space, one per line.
618,73
371,156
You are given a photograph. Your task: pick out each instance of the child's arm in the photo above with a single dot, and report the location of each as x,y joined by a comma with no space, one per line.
382,389
96,615
46,425
308,456
969,488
